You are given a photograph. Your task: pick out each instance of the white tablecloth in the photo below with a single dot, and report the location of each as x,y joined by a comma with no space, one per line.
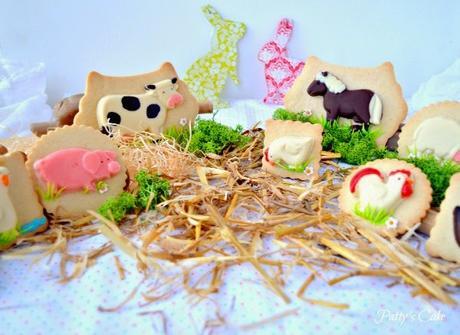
33,302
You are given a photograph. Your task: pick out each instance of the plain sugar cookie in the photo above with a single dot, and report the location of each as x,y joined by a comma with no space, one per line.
444,238
75,169
387,194
362,96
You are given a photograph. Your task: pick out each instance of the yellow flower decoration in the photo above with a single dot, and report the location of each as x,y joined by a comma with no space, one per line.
206,77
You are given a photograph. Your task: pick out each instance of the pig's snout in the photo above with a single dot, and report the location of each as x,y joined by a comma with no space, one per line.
175,100
114,167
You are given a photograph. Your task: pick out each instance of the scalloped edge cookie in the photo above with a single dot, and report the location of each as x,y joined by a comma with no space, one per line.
445,109
409,212
76,204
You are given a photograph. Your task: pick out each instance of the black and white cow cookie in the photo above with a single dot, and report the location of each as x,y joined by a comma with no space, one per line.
151,101
362,96
140,112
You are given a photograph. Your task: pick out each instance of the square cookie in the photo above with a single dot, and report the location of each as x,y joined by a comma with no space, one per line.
292,149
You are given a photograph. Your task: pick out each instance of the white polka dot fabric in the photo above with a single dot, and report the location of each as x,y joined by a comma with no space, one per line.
32,301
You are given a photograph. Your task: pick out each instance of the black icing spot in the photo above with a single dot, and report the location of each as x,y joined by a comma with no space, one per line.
457,225
113,117
153,110
130,103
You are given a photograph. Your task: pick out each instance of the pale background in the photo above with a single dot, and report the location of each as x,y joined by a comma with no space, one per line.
117,37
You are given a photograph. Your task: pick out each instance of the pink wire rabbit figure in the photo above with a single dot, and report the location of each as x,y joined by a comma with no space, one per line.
280,70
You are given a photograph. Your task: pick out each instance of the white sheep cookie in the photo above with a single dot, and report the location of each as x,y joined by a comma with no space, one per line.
434,129
387,194
444,238
292,149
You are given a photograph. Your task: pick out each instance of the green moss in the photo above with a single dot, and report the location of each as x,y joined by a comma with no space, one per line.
359,146
208,136
115,208
376,216
8,237
438,172
151,186
354,146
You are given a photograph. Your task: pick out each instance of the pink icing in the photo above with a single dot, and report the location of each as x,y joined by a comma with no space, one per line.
175,100
457,157
76,169
280,70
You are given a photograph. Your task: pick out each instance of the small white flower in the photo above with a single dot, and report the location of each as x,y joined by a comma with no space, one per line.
308,170
183,121
392,223
308,112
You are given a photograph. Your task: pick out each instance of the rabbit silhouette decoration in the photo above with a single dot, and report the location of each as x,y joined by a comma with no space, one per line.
280,70
206,77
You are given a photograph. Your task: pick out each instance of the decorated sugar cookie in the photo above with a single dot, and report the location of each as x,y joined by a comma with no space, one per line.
292,149
18,200
444,238
152,101
141,112
207,76
387,194
280,70
433,130
75,169
8,218
360,96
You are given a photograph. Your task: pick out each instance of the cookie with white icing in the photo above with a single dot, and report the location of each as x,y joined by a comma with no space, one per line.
387,194
444,238
360,96
152,102
434,129
75,169
21,213
292,149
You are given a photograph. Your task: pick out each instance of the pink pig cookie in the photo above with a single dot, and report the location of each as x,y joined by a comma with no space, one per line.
77,169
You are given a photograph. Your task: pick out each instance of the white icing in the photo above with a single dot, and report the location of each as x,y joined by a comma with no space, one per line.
333,84
8,218
372,191
292,150
375,109
437,135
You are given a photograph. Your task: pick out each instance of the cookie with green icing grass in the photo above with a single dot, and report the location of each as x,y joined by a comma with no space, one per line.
390,195
8,237
299,168
358,147
355,146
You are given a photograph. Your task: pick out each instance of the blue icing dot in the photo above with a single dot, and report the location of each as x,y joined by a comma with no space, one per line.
32,226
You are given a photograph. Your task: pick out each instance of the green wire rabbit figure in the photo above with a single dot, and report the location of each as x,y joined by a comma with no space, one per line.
206,77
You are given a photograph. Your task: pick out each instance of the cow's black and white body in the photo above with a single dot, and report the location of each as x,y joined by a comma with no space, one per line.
141,112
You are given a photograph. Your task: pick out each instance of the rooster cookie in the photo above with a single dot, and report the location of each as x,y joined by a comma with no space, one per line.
75,169
433,130
150,102
20,211
444,238
388,194
361,96
292,149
